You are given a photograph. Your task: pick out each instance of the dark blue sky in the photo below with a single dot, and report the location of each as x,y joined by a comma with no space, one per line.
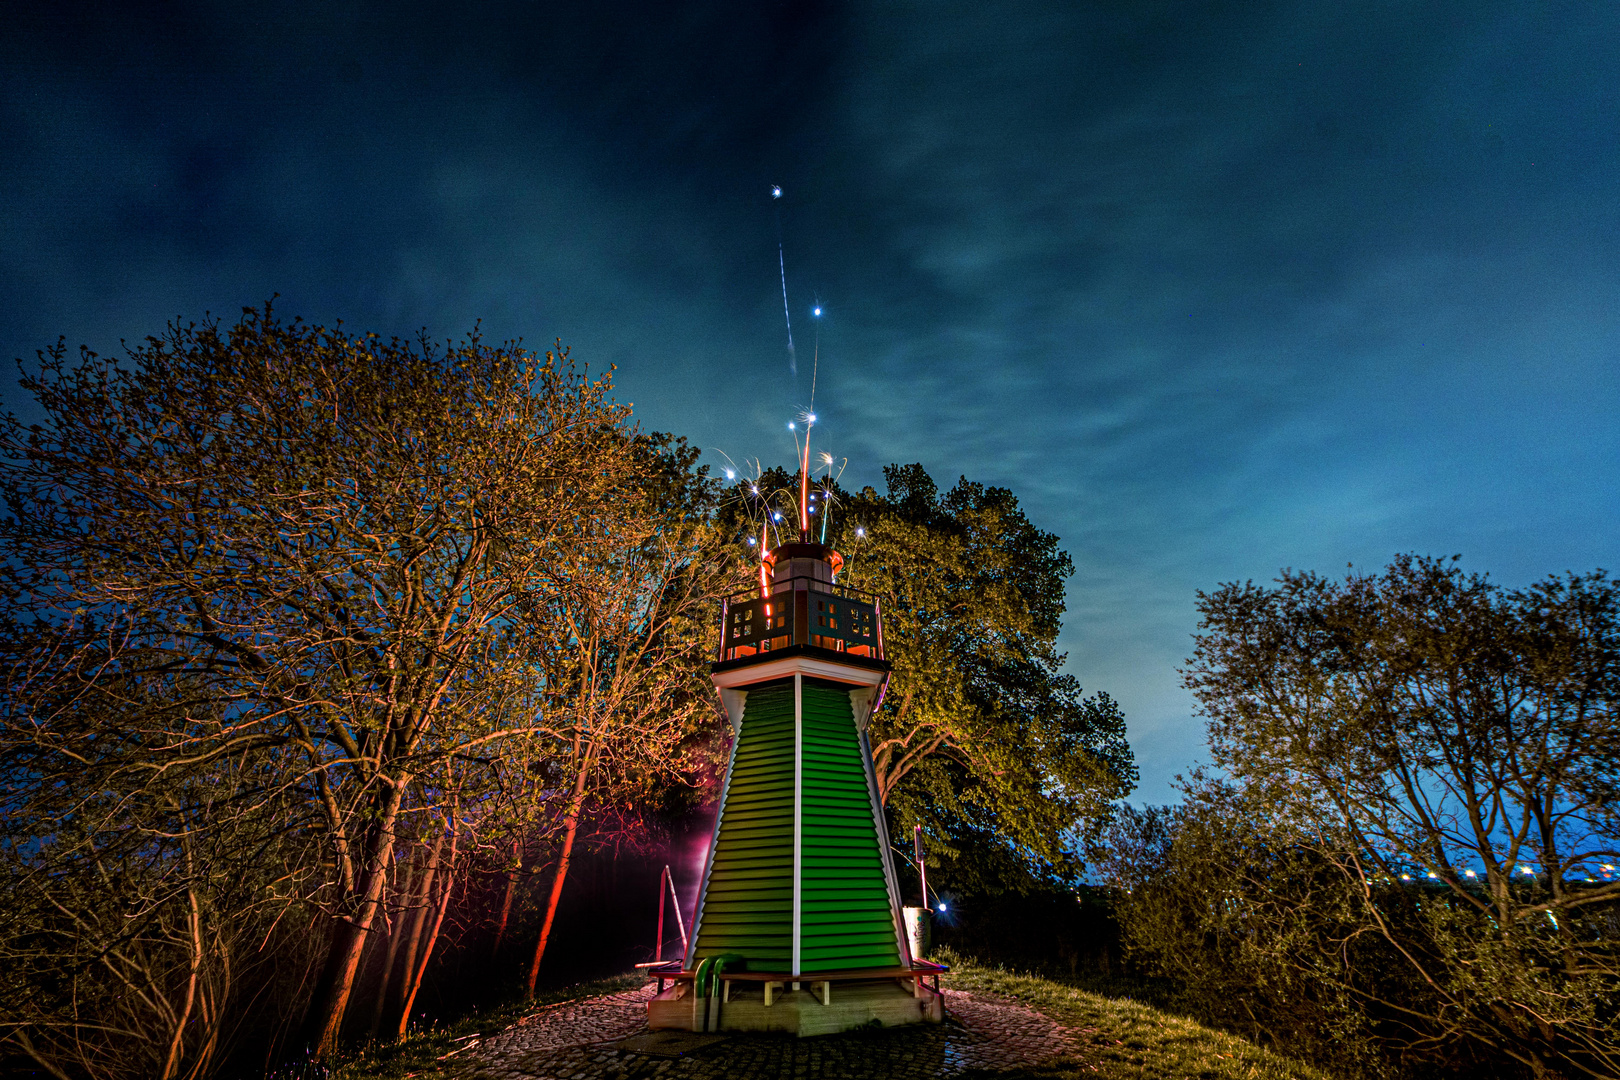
1215,288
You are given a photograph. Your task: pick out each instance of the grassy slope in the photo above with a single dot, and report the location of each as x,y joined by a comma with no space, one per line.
1121,1038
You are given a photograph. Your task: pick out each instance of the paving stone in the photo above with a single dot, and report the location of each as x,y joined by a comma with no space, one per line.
586,1040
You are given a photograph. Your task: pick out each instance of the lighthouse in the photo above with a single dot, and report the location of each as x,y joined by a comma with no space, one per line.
798,922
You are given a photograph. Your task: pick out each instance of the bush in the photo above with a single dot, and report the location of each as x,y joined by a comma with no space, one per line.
1408,864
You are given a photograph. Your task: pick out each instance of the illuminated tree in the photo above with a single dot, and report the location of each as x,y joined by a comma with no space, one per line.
624,648
982,738
339,545
144,896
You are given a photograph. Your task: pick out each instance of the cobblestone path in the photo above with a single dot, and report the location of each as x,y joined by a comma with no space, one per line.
605,1038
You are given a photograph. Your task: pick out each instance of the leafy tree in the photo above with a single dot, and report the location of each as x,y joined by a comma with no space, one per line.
339,547
982,738
1213,900
624,648
1441,754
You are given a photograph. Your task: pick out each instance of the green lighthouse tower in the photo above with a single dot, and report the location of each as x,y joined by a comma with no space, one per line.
798,924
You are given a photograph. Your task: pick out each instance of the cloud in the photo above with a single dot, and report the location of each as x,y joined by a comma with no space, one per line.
1215,288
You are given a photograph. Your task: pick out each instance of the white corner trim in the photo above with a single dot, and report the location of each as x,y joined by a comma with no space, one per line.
714,843
886,851
733,701
860,701
798,809
812,666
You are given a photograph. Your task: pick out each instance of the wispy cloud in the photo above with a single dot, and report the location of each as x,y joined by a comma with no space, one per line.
1215,288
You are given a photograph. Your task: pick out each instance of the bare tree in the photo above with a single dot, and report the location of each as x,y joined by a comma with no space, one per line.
336,542
1450,749
624,650
140,901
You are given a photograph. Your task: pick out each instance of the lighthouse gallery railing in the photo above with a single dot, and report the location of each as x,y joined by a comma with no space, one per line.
802,611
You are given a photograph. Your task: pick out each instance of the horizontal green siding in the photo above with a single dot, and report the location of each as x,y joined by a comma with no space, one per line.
845,918
748,901
845,921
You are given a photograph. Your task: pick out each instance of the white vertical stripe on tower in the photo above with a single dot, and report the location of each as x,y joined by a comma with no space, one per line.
798,808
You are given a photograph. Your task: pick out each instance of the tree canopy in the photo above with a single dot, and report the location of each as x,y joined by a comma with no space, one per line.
1416,827
982,738
310,640
384,581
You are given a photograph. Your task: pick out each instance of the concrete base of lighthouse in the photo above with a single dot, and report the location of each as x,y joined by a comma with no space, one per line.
816,1008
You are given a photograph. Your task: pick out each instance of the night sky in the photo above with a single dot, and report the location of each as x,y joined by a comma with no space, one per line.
1215,288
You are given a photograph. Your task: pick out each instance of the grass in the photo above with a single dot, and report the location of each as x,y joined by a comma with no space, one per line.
1122,1038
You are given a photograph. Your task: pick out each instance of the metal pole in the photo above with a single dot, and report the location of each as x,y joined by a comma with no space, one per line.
725,633
680,924
658,953
922,867
877,611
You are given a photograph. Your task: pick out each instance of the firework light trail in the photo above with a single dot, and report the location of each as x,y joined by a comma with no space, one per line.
776,509
781,264
815,360
827,499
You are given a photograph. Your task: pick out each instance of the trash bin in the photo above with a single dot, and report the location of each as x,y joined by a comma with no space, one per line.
920,931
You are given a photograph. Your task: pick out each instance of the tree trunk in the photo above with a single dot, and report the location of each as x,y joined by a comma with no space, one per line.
195,942
506,904
419,919
415,978
343,959
394,935
570,827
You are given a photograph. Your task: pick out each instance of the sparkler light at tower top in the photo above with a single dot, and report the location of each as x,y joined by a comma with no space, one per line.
804,479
